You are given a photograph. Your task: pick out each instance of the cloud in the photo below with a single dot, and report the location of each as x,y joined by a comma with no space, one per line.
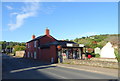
9,7
29,10
14,13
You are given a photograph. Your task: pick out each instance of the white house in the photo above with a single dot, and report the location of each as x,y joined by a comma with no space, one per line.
107,51
97,50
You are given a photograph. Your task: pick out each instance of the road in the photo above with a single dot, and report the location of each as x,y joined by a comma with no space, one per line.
20,68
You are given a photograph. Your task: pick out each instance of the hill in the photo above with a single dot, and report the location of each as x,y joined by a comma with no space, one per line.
98,40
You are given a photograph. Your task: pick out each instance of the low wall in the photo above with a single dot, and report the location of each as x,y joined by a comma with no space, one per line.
92,63
19,53
105,59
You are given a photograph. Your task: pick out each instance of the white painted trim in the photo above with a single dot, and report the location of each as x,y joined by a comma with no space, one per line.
69,45
35,55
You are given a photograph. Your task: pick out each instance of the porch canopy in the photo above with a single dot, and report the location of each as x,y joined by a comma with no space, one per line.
70,50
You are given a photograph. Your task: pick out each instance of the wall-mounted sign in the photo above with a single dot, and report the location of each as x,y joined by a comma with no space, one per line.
81,45
69,44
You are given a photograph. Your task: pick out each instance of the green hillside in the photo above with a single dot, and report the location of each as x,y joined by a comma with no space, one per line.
97,40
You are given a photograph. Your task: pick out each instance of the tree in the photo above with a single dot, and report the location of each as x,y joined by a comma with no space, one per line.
76,40
8,47
0,47
117,54
22,48
23,44
101,44
67,39
3,44
19,48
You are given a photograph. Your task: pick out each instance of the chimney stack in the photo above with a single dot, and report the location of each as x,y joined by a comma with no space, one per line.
47,32
33,36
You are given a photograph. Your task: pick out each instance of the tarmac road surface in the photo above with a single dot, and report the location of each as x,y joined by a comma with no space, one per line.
20,68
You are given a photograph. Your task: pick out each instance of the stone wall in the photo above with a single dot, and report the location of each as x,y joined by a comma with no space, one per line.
105,59
92,63
19,53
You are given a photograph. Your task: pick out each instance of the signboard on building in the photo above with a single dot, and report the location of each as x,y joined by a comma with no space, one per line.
69,44
81,45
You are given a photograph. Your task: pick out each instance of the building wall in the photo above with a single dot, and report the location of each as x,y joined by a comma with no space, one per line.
44,54
31,49
46,39
19,53
53,52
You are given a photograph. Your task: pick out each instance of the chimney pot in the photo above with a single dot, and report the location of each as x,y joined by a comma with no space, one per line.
33,36
47,32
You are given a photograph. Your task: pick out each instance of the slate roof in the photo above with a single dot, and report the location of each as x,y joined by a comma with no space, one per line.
36,38
65,42
57,42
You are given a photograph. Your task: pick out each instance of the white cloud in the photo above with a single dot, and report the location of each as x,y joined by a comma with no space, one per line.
9,7
29,10
14,13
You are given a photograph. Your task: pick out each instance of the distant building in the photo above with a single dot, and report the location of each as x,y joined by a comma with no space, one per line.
97,50
47,48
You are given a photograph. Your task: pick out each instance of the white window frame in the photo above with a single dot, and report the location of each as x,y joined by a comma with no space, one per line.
35,44
35,55
28,55
28,45
31,55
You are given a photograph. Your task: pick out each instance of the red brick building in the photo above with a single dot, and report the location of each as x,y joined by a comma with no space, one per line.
45,48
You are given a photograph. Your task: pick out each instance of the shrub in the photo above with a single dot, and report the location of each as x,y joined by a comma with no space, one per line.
117,54
19,48
93,54
97,55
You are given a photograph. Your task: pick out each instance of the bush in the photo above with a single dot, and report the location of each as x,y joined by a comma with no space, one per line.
97,55
117,55
19,48
93,54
